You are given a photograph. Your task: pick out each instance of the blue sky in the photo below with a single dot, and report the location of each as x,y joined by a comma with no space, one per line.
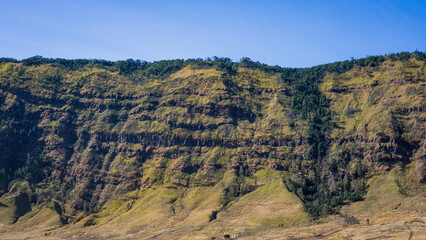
286,33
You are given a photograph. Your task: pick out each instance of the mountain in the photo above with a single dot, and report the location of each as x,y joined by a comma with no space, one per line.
212,149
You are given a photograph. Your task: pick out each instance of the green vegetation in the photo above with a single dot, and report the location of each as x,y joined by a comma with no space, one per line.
324,192
101,139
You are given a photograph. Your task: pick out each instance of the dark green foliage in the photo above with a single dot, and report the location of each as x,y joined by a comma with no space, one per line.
4,180
237,188
6,60
30,170
162,68
70,64
222,64
22,205
127,67
248,63
213,215
17,141
310,104
130,65
225,65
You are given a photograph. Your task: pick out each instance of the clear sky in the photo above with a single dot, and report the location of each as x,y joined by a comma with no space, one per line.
287,33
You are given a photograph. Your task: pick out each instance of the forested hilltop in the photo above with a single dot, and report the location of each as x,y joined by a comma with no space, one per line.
208,147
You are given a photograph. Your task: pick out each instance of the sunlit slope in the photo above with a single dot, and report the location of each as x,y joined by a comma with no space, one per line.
380,120
212,148
190,150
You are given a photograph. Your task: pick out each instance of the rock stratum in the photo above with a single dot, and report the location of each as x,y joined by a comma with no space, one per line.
212,149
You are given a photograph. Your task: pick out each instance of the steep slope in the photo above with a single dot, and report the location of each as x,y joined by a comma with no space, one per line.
205,148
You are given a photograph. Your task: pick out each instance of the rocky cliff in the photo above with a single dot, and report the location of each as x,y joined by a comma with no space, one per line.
206,146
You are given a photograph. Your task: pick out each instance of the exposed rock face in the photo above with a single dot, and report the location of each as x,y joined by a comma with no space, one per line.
87,136
186,130
388,126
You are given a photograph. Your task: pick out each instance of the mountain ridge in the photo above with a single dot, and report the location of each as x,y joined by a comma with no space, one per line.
89,142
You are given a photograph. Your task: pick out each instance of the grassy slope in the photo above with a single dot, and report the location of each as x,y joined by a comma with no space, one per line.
162,200
162,207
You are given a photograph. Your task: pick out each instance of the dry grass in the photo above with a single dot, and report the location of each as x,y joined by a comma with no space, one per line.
269,212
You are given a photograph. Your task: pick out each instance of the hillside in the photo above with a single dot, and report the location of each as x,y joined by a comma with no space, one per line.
210,148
